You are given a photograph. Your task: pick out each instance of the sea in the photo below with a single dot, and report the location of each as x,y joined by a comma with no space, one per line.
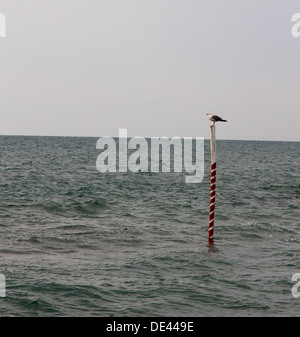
81,243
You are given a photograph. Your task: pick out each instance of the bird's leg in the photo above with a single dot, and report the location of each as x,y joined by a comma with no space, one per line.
214,123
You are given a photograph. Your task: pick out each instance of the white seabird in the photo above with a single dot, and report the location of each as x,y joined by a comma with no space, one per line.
215,118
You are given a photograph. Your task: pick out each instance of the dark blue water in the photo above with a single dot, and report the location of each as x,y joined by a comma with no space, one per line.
77,242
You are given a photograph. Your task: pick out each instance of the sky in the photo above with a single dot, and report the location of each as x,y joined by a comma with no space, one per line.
154,67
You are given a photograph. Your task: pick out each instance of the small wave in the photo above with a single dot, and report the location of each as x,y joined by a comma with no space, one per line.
255,229
21,251
86,208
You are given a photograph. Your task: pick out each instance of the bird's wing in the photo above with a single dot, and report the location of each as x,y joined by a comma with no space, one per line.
217,118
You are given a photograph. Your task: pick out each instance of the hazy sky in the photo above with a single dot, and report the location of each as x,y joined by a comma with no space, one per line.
155,67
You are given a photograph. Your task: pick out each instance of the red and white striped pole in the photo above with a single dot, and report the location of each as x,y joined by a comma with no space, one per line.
212,185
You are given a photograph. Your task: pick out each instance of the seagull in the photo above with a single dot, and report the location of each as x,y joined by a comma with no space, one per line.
215,118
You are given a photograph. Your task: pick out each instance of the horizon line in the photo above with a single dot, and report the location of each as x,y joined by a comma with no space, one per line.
59,136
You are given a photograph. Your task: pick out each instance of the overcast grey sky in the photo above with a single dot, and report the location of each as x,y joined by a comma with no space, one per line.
155,67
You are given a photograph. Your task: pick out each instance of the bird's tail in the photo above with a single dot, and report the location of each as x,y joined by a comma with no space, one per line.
223,120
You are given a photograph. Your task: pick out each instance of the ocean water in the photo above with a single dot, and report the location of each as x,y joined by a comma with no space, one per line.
77,242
